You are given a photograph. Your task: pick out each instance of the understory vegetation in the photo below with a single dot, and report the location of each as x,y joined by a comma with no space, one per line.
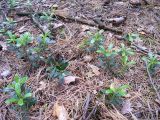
99,73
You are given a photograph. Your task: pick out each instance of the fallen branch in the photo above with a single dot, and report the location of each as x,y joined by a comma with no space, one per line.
67,18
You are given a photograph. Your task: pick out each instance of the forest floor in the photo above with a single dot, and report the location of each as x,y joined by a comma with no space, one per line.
82,99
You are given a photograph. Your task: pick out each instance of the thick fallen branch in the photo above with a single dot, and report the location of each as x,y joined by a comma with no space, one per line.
67,18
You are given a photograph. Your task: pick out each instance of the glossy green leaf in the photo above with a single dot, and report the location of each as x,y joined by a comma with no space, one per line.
11,100
20,102
27,95
16,78
18,89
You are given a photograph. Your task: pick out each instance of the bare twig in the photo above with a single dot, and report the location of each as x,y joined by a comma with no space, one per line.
44,30
92,112
151,81
85,106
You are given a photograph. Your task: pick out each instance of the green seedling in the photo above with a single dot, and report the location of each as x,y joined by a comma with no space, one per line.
94,42
32,50
12,3
125,53
37,53
131,37
152,62
58,69
19,94
114,94
108,57
12,37
19,45
24,40
46,16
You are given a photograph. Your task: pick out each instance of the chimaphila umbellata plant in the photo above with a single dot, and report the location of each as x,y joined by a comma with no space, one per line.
57,68
152,62
29,48
108,58
124,53
114,94
93,42
131,37
19,94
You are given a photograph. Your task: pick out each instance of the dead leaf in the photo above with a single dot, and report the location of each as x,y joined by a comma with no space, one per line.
126,107
42,85
142,33
70,79
95,69
87,58
89,74
3,45
60,112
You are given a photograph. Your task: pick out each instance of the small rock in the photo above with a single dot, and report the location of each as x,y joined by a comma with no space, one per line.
135,2
87,58
6,73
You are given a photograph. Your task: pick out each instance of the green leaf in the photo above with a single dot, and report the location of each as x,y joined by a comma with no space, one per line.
18,89
123,87
109,91
11,100
112,87
110,46
122,93
16,78
23,80
27,95
20,102
131,63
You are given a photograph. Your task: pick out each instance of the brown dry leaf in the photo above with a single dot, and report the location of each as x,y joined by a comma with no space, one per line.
89,74
95,69
126,107
60,112
87,58
70,79
64,12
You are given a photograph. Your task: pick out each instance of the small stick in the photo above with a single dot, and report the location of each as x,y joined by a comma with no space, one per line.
85,106
38,24
92,112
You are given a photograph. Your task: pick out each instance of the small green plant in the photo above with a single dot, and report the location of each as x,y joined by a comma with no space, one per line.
46,16
58,69
12,37
12,3
19,94
19,44
131,37
108,57
29,48
114,94
152,62
94,42
125,53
